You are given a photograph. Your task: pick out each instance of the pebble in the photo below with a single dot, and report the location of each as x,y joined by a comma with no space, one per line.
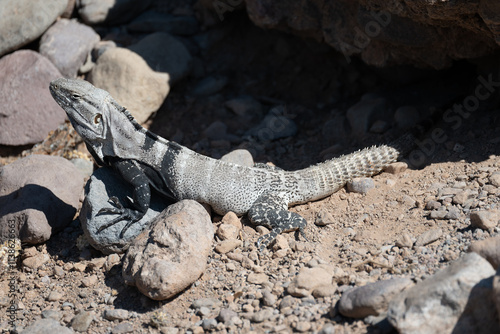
89,281
489,249
309,279
54,296
428,237
226,315
227,231
81,322
115,314
95,12
227,246
360,185
257,278
405,241
209,324
324,218
51,314
396,168
123,327
244,106
486,220
43,326
495,179
261,316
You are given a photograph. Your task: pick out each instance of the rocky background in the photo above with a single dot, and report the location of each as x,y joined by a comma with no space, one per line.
412,250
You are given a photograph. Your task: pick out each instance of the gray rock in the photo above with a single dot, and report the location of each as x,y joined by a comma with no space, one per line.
453,213
239,157
28,110
244,106
324,218
46,326
209,86
428,237
210,303
406,117
262,315
103,184
328,328
226,315
23,21
164,53
209,324
456,299
364,113
152,21
51,314
67,45
111,12
371,299
361,185
167,258
81,322
131,82
116,314
485,219
40,194
495,179
274,126
85,167
123,327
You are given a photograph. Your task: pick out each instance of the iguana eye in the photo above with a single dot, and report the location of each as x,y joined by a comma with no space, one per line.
97,118
75,96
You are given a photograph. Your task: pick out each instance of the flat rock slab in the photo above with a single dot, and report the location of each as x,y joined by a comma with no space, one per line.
23,21
38,194
457,299
167,258
103,184
67,44
28,110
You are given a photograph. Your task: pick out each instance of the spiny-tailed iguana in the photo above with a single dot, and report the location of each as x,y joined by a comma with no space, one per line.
146,160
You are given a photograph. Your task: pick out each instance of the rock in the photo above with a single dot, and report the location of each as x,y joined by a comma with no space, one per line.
308,280
360,185
372,30
110,12
244,106
209,324
232,219
116,314
227,231
89,281
81,322
406,117
23,21
46,326
489,249
485,220
432,205
131,82
105,183
152,21
405,241
167,258
36,260
453,213
456,299
495,179
86,167
209,86
51,314
396,168
262,315
274,126
40,195
28,110
164,53
123,327
462,196
54,296
227,245
67,44
324,218
257,278
226,315
371,299
428,237
239,157
364,113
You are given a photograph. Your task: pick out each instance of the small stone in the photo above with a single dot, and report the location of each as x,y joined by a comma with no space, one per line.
308,280
325,290
46,326
244,106
324,218
262,315
36,261
81,322
209,324
489,249
396,168
462,197
255,278
428,237
486,220
228,245
116,314
58,271
280,243
495,179
439,214
432,205
54,296
226,315
405,241
89,281
268,298
227,231
51,314
360,185
453,213
123,327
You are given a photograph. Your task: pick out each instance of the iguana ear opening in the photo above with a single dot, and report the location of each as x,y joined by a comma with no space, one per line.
97,118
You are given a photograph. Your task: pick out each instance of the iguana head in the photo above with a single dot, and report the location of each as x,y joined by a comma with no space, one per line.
94,114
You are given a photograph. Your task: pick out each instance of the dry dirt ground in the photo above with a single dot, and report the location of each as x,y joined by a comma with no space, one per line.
315,84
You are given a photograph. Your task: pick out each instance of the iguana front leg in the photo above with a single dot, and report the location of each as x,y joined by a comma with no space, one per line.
134,175
271,210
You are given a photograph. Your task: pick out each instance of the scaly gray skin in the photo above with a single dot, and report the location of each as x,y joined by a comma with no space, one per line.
146,160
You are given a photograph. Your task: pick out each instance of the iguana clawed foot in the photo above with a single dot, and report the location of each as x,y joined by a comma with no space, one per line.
130,215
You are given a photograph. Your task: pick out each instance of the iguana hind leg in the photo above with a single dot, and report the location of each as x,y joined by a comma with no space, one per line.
271,210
